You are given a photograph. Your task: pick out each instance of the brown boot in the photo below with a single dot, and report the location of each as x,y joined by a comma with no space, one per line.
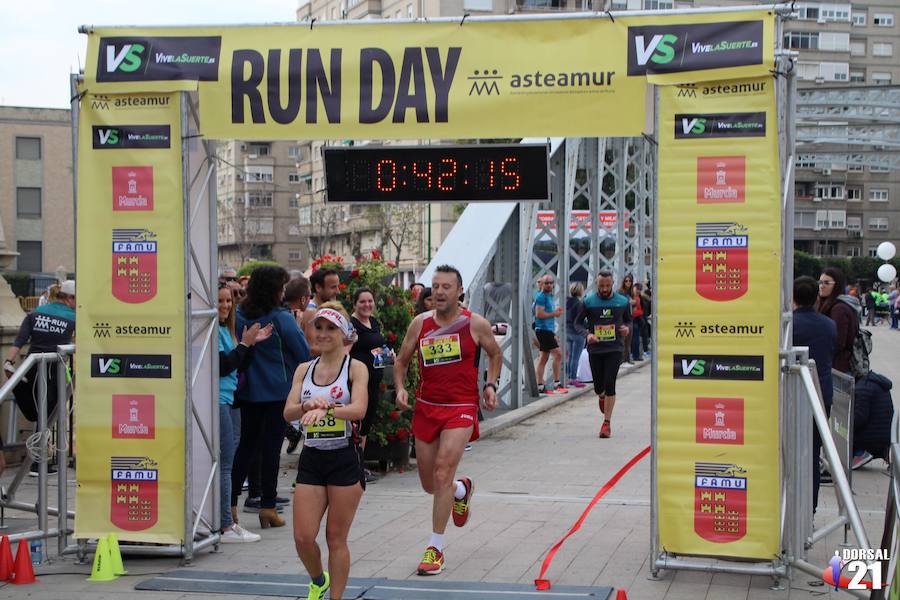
234,514
268,517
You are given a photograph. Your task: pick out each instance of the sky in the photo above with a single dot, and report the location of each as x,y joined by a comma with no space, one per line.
41,46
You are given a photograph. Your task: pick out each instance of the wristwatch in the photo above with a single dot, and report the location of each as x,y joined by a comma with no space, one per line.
489,384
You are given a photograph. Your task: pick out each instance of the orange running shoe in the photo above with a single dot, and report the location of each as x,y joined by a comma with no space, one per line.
432,563
461,507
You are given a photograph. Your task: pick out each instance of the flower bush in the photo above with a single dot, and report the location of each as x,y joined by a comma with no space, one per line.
394,310
328,261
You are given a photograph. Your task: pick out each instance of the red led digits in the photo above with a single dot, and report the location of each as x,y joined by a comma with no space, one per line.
418,175
491,174
509,168
446,178
383,165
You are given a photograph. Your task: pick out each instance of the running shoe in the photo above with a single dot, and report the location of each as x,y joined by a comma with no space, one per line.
432,563
861,460
605,430
561,390
238,535
317,592
461,507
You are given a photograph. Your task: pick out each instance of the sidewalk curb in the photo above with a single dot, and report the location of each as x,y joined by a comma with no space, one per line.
491,426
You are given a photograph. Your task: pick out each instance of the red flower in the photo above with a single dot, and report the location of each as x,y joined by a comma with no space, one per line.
394,415
354,273
376,254
382,386
392,337
342,286
402,434
391,437
389,301
391,264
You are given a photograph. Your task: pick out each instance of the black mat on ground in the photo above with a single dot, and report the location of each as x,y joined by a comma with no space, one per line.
258,584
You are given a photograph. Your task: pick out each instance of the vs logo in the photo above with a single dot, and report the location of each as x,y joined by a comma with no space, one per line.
694,126
109,366
660,49
108,136
695,367
128,59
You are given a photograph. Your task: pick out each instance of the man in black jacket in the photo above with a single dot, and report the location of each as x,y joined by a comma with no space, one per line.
873,411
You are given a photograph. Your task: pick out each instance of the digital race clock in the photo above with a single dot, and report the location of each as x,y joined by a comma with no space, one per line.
488,173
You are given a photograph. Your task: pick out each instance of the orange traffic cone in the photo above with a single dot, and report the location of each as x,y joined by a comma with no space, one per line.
621,595
24,570
6,560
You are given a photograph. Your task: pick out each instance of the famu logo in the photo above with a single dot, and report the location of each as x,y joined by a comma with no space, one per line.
718,367
113,137
720,125
676,48
159,58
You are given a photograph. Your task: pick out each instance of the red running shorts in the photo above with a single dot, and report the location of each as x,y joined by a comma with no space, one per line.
429,419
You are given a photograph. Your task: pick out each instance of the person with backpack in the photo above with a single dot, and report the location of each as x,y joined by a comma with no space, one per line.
873,411
844,310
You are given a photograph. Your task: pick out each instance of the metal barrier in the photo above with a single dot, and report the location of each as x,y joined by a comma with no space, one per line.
43,360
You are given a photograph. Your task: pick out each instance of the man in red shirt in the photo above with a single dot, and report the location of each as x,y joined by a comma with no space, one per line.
447,342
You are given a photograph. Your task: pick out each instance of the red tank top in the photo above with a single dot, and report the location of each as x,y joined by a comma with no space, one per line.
448,362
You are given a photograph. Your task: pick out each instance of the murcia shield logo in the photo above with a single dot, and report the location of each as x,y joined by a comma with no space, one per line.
134,497
722,260
720,502
134,265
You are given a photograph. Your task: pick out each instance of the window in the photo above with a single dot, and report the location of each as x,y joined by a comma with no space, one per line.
808,12
831,71
883,20
294,202
409,11
801,40
834,41
305,215
259,199
855,168
294,255
877,169
257,174
28,148
295,152
258,149
30,257
858,76
806,161
854,223
879,78
854,251
293,177
837,219
260,226
821,220
878,195
829,191
28,203
658,4
859,18
854,194
857,48
882,49
834,12
878,224
804,220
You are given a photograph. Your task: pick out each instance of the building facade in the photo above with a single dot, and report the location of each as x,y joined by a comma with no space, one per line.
37,211
260,186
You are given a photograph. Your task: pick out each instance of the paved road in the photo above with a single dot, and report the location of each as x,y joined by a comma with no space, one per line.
533,481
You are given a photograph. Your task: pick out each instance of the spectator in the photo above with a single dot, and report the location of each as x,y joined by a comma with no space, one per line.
228,274
896,305
325,284
45,328
576,334
647,305
870,306
424,302
627,291
369,345
49,295
269,379
545,314
233,356
297,297
819,334
637,322
873,411
843,310
415,289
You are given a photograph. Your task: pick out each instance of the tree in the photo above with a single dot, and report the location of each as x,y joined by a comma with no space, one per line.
324,221
242,230
399,224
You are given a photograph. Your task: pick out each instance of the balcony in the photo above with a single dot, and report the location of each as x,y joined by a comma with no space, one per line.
554,5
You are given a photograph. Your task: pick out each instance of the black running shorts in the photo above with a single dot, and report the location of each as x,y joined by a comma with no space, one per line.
605,369
341,467
546,340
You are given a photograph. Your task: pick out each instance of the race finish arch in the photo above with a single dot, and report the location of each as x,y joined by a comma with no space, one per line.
700,82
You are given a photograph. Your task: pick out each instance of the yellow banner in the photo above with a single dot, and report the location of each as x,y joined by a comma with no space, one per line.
130,405
480,79
717,314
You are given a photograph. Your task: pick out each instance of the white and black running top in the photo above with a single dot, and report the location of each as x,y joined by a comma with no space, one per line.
325,436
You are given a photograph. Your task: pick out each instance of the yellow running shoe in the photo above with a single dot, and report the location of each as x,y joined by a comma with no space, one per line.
317,592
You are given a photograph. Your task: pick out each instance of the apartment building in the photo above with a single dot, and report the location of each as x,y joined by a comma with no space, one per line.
36,208
260,186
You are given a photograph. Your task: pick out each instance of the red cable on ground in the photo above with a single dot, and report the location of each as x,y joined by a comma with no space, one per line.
544,584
